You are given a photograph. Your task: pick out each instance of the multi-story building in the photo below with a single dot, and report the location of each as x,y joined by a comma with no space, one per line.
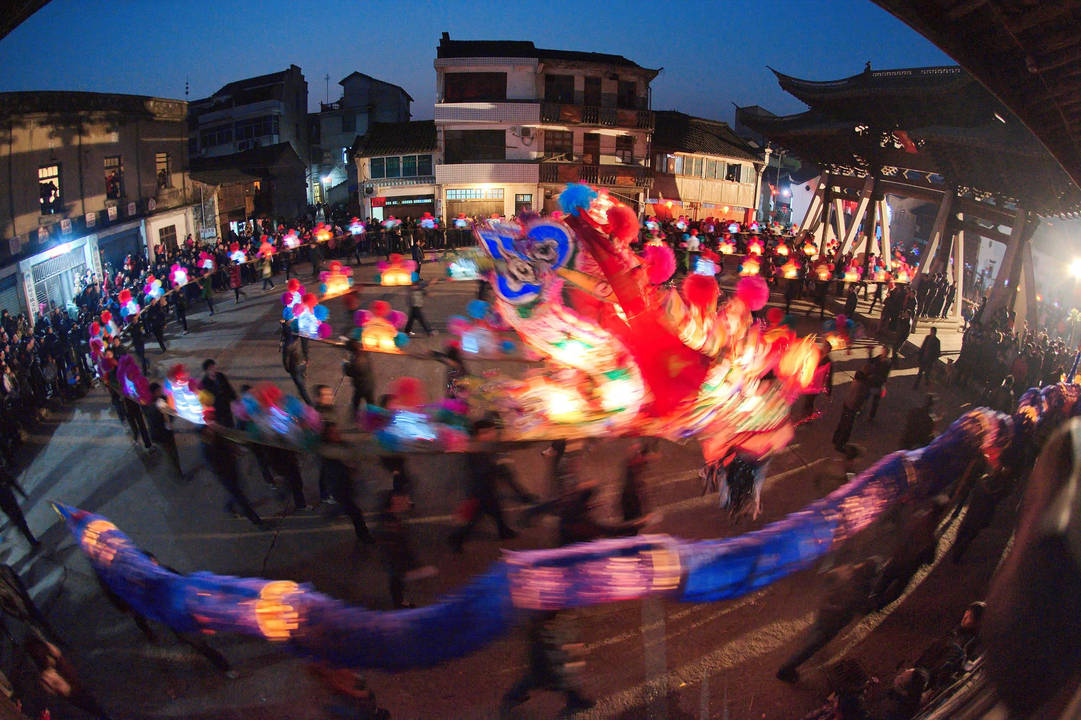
395,164
336,127
701,168
90,178
255,112
515,123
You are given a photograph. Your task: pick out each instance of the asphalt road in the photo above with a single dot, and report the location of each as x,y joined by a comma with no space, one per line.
648,659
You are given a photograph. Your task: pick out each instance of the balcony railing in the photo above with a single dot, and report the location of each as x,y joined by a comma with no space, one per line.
612,175
564,113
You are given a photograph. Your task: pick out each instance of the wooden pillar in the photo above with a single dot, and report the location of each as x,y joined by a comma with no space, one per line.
869,227
884,219
1005,281
839,216
861,210
935,240
827,193
814,210
1028,279
958,274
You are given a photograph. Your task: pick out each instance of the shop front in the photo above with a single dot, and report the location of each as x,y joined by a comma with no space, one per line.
116,243
53,278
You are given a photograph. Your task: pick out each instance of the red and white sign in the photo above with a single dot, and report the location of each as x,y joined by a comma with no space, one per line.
379,202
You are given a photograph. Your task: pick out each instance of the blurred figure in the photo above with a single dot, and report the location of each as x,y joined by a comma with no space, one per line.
9,504
858,391
358,368
848,596
482,496
215,382
930,351
878,371
335,477
222,461
399,559
919,427
160,425
295,362
58,677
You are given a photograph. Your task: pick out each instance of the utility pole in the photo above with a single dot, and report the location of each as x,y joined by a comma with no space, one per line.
327,78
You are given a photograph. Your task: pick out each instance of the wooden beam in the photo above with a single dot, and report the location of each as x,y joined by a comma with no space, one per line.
966,8
983,211
857,218
958,274
1039,14
975,228
1002,288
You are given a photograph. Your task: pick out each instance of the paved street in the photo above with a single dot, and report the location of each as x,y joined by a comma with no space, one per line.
651,659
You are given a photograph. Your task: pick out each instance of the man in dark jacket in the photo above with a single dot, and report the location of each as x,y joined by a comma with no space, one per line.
929,354
483,475
218,385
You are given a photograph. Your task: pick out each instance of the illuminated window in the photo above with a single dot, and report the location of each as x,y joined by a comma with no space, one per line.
475,194
114,177
735,172
625,148
49,189
163,170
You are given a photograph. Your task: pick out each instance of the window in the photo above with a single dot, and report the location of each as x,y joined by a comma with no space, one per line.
660,163
697,170
162,170
625,148
409,166
475,194
394,167
349,122
114,177
735,172
424,164
49,189
220,135
523,198
627,95
167,237
257,127
559,144
467,87
676,165
466,146
378,168
559,88
523,203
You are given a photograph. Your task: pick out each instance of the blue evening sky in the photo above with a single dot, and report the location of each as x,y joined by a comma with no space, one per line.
713,53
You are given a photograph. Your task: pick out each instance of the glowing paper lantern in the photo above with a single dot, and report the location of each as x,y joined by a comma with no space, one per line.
153,289
206,261
750,266
755,247
238,256
852,273
427,221
178,274
275,618
809,248
322,233
781,250
397,271
265,249
460,222
356,227
291,241
790,270
726,247
337,280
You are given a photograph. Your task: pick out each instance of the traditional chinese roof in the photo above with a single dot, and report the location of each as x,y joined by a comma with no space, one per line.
936,123
14,12
414,136
375,80
1026,52
678,132
525,49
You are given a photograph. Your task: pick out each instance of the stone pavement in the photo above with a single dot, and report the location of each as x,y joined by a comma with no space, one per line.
649,659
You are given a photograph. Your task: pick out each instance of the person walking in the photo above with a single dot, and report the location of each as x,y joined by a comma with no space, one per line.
848,596
858,391
222,461
395,547
155,320
215,382
160,426
482,498
417,292
180,306
206,285
877,371
296,364
930,351
267,270
138,342
335,476
358,368
236,281
9,504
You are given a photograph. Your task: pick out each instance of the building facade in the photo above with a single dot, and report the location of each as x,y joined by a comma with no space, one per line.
90,178
255,112
516,123
336,127
701,169
395,164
